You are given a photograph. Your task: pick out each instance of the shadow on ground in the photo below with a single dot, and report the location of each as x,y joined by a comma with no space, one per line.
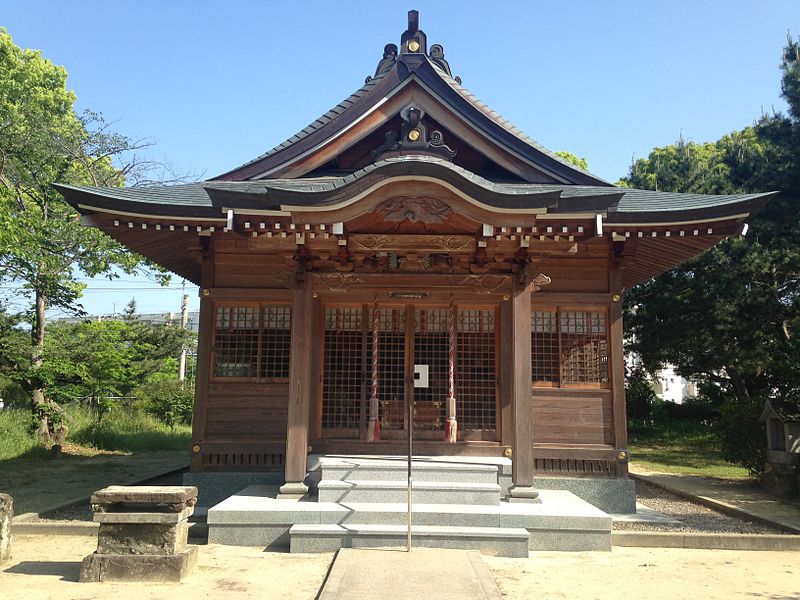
66,570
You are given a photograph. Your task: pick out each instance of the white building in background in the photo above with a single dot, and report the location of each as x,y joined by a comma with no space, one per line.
670,386
171,318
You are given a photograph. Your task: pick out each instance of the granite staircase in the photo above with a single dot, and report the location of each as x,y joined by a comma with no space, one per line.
359,502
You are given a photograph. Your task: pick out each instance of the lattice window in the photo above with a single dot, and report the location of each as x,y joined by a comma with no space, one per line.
584,347
431,345
236,341
343,368
276,342
569,347
545,364
476,407
252,342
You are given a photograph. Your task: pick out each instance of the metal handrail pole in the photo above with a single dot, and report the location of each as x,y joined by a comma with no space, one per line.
410,484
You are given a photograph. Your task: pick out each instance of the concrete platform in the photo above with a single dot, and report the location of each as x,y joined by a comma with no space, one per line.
255,517
421,573
492,541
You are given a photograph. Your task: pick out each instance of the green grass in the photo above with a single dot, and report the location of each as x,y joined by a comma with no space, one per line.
123,430
14,438
127,446
686,448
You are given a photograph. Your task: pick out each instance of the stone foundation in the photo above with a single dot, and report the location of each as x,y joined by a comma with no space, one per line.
143,534
6,515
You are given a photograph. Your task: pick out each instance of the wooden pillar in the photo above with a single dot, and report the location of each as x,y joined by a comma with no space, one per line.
616,360
299,392
522,408
203,360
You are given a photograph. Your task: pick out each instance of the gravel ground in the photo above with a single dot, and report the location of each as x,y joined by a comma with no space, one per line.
693,517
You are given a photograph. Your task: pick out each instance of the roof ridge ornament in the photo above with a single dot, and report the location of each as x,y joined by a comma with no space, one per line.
413,41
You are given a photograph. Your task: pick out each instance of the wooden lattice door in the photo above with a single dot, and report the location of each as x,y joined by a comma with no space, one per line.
408,335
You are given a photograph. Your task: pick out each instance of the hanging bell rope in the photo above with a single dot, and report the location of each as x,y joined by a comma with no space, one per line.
374,428
451,425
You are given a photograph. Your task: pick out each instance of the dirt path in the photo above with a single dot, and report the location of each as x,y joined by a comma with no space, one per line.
649,574
46,567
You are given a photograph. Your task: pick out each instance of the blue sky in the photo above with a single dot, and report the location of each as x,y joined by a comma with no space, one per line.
218,83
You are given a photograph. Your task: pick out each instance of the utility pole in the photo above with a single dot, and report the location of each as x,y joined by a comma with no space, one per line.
184,324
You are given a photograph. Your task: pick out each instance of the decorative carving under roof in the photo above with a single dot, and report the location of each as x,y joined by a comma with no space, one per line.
414,136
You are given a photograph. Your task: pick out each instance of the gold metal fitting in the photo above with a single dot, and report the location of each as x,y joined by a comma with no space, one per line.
616,297
622,455
206,292
196,448
508,452
315,294
506,297
413,45
413,135
308,450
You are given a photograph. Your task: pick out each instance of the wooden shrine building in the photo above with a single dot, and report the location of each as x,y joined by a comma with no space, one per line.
412,226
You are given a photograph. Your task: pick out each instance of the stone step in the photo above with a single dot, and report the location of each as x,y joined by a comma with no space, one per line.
421,471
423,492
493,541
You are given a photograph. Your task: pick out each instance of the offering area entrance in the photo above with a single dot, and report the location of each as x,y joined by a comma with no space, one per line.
424,355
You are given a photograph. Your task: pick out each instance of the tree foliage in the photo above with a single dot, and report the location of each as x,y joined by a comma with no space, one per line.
43,248
732,315
581,163
98,361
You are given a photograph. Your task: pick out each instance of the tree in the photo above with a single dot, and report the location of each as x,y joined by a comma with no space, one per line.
732,315
96,361
581,163
42,245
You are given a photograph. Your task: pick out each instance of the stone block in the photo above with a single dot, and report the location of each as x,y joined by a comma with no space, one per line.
609,495
164,498
127,567
271,537
570,541
6,516
143,517
142,538
213,488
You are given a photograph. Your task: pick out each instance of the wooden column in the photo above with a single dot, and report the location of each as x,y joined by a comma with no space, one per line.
616,360
522,409
203,360
299,392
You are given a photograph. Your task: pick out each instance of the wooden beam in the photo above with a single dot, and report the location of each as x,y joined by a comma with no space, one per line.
299,392
203,367
522,409
616,360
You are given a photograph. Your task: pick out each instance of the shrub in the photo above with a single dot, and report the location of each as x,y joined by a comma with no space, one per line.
167,400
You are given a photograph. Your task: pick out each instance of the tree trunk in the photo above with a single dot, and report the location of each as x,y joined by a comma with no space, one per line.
39,404
739,386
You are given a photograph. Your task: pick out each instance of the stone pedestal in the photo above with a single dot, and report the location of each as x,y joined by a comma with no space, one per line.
6,515
520,493
143,533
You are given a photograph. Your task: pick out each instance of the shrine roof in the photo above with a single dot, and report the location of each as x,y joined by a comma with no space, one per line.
209,199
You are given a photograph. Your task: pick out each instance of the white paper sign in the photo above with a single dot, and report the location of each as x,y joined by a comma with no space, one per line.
420,376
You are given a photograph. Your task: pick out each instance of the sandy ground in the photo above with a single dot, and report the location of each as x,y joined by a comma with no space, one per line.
47,567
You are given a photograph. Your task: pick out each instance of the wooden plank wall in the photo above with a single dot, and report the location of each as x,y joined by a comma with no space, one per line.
247,410
572,416
582,273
